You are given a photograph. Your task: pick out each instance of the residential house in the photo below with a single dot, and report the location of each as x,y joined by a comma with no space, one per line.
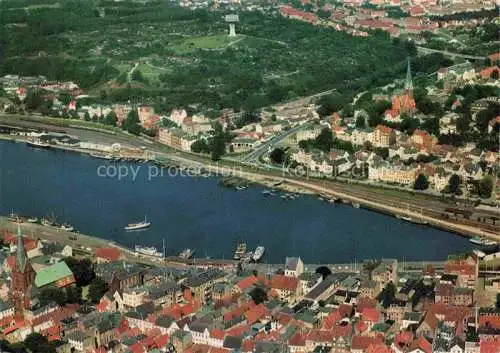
383,136
287,287
201,284
463,296
107,254
58,274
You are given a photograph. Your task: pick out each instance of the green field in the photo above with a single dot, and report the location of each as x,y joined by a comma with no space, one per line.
207,42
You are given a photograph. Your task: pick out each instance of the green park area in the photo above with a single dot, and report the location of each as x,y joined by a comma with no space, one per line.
173,57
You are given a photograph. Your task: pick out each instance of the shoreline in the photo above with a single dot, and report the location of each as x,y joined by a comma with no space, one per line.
87,244
294,185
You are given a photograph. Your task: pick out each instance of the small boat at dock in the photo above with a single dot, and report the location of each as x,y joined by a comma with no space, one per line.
67,227
258,253
356,205
481,241
186,253
266,192
32,219
240,251
101,156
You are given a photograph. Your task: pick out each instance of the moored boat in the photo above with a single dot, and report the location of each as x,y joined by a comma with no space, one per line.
356,205
240,251
481,241
258,253
186,253
101,156
37,143
139,225
32,219
148,250
67,227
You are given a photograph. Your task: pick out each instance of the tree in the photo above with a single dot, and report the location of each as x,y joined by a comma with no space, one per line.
324,271
52,294
497,304
131,123
386,297
37,343
73,294
33,100
278,156
324,141
421,183
360,122
218,142
97,288
494,75
111,118
64,98
200,146
486,187
453,186
82,270
86,116
258,295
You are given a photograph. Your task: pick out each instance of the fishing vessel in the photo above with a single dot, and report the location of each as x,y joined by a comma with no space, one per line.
481,241
139,225
356,205
258,253
186,253
37,143
241,187
148,250
240,251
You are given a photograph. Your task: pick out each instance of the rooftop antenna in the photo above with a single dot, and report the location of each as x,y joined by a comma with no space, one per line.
232,19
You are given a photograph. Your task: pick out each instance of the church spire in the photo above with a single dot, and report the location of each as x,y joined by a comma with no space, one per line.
409,81
21,257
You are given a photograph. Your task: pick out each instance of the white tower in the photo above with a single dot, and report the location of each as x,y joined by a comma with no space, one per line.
232,19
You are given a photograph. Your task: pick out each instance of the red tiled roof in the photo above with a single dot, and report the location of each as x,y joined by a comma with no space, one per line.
110,254
320,336
444,289
284,283
378,348
486,73
421,343
362,342
371,314
365,303
459,267
490,345
494,57
361,326
161,341
218,334
403,338
238,330
345,310
247,346
256,313
331,320
247,282
137,348
451,313
297,340
490,320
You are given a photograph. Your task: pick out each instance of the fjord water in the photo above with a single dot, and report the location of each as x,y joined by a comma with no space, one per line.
198,213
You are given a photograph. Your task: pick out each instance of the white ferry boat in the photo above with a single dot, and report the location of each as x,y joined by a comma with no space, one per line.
148,250
138,225
259,252
37,143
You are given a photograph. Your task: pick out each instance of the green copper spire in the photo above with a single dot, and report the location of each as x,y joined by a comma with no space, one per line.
408,82
21,257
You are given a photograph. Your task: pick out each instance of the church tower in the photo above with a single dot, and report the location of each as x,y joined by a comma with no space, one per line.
23,277
409,81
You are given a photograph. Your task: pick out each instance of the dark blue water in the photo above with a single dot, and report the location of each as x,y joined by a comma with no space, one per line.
198,213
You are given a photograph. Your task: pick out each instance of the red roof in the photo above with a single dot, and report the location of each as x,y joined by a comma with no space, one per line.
378,348
320,336
365,303
218,334
297,340
490,345
403,338
256,313
284,283
247,346
110,254
362,342
247,282
161,341
490,320
137,348
331,320
371,314
421,343
460,267
486,73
